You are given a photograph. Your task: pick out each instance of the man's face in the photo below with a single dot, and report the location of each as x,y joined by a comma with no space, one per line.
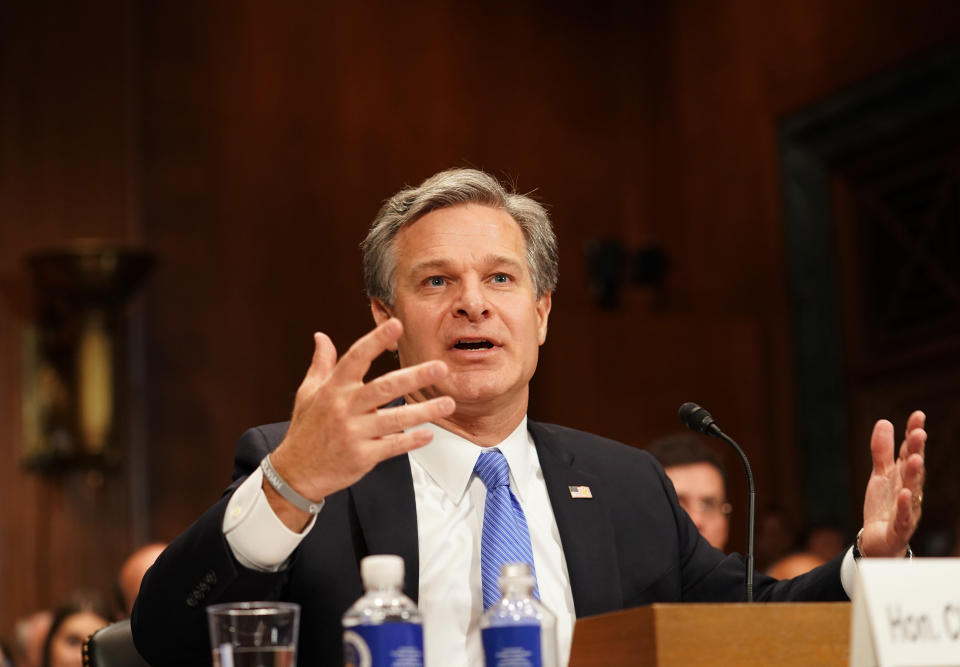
700,491
465,296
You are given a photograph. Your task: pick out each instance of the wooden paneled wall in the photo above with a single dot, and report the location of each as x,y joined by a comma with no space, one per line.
69,169
249,145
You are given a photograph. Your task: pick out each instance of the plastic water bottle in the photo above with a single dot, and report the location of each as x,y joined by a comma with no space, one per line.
384,627
518,630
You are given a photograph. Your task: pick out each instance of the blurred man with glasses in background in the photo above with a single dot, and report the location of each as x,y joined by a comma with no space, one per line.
700,479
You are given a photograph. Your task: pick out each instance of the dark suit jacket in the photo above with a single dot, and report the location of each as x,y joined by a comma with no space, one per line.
631,544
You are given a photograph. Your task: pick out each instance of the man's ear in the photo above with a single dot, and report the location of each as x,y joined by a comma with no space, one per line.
543,315
381,313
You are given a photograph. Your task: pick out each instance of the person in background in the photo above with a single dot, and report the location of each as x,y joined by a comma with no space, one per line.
131,574
823,543
776,537
793,565
73,621
700,479
29,635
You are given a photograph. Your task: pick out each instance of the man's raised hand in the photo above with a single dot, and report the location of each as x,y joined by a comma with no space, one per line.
892,504
336,434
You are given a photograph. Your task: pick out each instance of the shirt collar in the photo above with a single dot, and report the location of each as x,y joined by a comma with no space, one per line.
449,459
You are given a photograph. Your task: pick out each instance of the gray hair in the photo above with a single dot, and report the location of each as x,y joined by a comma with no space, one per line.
451,188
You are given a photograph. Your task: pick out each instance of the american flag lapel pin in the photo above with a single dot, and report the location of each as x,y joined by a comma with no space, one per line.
580,492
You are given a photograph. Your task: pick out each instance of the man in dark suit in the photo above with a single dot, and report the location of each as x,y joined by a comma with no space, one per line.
460,274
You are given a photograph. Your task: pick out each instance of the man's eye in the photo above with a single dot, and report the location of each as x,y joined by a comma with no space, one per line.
435,281
501,278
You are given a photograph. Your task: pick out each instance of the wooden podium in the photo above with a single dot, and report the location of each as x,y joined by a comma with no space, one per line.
675,635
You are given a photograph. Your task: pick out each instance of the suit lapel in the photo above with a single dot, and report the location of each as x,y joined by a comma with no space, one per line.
586,532
387,512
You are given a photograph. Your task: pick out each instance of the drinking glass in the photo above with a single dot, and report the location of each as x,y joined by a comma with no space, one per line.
254,634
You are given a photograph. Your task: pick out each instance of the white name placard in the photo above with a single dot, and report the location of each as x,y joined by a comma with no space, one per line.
906,613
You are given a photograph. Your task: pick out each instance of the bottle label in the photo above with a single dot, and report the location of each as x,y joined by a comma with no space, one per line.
512,646
386,645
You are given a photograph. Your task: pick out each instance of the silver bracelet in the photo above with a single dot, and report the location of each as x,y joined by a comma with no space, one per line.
285,490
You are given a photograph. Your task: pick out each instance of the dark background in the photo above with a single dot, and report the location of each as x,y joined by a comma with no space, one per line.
249,144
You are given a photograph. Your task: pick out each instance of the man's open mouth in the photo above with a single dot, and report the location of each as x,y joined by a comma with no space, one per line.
473,344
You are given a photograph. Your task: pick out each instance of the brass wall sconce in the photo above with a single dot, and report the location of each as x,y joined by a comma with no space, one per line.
74,353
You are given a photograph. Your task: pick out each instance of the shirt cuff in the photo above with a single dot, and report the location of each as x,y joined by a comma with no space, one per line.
848,573
258,539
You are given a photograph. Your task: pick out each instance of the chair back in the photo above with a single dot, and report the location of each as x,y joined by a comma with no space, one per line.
112,646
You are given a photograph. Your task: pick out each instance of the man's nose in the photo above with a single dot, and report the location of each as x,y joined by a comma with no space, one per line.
471,302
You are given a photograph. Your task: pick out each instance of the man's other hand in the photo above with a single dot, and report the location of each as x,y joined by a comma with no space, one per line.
892,505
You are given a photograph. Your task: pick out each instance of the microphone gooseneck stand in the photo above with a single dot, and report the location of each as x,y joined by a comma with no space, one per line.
699,420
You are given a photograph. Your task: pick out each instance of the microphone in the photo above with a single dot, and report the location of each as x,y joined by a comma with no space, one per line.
697,419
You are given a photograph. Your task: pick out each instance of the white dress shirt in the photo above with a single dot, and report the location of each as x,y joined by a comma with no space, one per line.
450,502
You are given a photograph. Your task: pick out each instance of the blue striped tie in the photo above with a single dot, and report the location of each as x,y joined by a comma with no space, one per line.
505,537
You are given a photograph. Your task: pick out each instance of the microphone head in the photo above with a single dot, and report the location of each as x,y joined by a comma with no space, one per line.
696,418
